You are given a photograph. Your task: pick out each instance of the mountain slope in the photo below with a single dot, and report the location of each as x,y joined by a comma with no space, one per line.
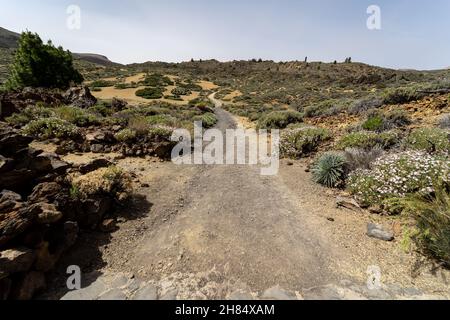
9,40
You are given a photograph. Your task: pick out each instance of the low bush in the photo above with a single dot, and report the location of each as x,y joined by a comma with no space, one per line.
368,140
150,93
279,119
330,170
364,105
181,91
208,120
432,222
139,125
29,114
429,139
396,119
111,181
156,80
162,119
76,116
298,142
444,122
125,135
48,128
102,84
398,176
402,95
123,86
360,158
374,123
327,108
160,133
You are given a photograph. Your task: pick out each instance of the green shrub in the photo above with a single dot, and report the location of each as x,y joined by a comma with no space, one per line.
432,223
156,80
101,110
397,176
181,91
162,119
368,140
111,181
365,105
280,119
29,114
330,170
396,119
139,125
123,86
360,158
101,84
327,108
76,116
150,93
208,119
374,123
299,142
125,135
48,128
444,122
159,132
429,139
402,95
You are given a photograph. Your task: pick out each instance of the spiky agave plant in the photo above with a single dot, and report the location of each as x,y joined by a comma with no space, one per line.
330,170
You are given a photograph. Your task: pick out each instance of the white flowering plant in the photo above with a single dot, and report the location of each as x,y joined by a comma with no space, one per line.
48,128
399,175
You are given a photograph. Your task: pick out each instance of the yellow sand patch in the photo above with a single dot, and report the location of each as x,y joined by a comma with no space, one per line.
207,85
129,95
232,95
135,78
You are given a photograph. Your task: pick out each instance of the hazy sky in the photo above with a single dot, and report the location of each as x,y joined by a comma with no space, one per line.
414,34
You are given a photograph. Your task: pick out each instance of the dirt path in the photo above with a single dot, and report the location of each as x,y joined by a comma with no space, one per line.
228,227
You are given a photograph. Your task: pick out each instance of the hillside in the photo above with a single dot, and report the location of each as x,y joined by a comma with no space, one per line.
8,39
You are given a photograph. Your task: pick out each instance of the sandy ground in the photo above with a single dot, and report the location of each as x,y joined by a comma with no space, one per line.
232,95
130,95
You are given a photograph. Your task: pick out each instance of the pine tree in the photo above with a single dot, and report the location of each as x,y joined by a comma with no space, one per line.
41,65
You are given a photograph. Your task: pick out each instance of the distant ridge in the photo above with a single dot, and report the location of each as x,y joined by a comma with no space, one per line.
9,40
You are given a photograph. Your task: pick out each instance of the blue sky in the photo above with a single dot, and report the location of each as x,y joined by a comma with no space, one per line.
414,34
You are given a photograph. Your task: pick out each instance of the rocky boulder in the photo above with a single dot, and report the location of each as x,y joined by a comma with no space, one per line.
12,102
80,97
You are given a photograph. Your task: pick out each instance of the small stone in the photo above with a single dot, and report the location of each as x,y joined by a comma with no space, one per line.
348,203
108,225
113,295
16,260
330,219
171,295
28,286
277,293
147,292
92,292
376,209
377,231
49,214
240,295
97,148
145,185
